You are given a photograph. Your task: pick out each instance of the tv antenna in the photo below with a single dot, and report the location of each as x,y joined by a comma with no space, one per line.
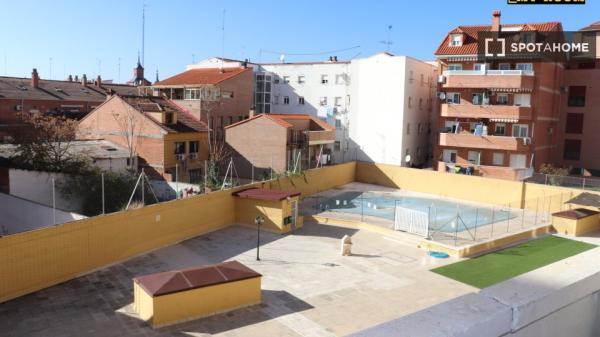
223,38
143,30
388,42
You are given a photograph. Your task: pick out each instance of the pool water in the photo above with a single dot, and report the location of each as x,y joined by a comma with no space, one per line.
442,213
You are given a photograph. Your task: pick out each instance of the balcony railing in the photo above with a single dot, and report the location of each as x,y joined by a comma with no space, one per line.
499,172
504,79
485,142
298,137
486,111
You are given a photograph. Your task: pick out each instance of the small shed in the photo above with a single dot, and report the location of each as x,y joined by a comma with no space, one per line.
576,222
182,295
586,199
279,208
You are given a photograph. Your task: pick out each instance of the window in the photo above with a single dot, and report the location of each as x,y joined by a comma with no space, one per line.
227,94
500,129
474,157
456,40
449,156
336,145
286,100
179,147
286,79
337,101
498,159
276,99
301,100
504,66
422,79
168,118
574,123
323,100
194,145
502,99
455,67
477,99
301,79
195,176
572,149
409,101
276,80
408,128
191,94
522,99
324,79
520,130
453,98
340,79
576,96
528,37
525,67
478,66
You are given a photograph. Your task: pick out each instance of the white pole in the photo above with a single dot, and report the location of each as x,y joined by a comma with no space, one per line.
133,192
103,193
271,167
53,203
176,181
205,175
143,196
252,173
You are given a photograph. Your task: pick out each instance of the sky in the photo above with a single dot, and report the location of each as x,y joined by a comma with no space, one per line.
62,37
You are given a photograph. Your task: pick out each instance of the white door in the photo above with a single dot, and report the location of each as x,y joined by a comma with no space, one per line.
518,161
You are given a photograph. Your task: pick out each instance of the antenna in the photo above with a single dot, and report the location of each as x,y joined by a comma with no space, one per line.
223,39
119,69
50,62
99,66
388,42
5,65
193,58
143,29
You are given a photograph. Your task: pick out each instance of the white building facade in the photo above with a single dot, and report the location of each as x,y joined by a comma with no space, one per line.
382,106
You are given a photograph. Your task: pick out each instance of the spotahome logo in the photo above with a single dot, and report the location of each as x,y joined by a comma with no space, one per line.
538,46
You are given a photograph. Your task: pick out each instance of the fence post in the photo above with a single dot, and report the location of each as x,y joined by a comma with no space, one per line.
53,202
545,179
523,218
508,218
492,230
395,211
476,215
362,206
102,176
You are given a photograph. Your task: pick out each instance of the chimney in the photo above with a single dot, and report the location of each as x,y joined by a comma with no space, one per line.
35,78
83,80
335,59
496,21
252,112
76,78
70,78
98,81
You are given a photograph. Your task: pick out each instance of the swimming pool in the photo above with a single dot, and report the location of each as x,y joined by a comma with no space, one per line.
442,213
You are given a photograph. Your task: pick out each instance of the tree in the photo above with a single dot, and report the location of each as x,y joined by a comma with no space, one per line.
130,127
43,143
218,151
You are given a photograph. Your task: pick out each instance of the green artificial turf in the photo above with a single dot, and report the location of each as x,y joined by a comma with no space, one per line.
492,268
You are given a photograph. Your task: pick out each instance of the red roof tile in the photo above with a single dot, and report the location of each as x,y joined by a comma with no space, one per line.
469,46
181,280
591,28
265,194
281,120
202,76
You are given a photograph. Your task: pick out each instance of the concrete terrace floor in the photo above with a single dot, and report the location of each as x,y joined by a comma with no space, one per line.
308,288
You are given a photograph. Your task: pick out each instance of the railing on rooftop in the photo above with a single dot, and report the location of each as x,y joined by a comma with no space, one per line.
512,72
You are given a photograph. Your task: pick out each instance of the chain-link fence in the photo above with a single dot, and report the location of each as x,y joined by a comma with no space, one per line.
584,183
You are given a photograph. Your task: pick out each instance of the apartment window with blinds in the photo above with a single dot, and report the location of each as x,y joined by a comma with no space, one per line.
301,100
574,123
576,96
179,147
453,98
572,150
520,130
286,100
194,145
502,99
455,67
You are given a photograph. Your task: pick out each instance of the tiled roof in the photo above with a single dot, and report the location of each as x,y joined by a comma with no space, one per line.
593,27
282,119
202,76
265,194
469,46
96,149
20,88
181,280
186,122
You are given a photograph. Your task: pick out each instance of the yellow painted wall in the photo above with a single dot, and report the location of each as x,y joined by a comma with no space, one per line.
576,227
201,302
34,260
246,210
142,302
472,188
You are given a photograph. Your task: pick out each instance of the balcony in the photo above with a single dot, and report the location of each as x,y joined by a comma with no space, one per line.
299,138
484,142
498,172
500,79
486,111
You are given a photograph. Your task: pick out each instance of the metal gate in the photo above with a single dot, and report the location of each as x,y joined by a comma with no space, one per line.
411,221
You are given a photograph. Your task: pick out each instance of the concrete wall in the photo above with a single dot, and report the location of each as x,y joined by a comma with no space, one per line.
561,299
38,259
37,187
20,215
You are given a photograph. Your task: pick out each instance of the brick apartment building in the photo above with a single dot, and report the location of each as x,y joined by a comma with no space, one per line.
578,134
217,96
497,118
74,97
168,140
281,142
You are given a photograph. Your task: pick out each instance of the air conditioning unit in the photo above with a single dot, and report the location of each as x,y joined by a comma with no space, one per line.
527,141
180,156
18,107
193,156
441,79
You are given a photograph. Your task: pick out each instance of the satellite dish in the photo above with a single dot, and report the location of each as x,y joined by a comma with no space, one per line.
407,158
442,95
282,58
